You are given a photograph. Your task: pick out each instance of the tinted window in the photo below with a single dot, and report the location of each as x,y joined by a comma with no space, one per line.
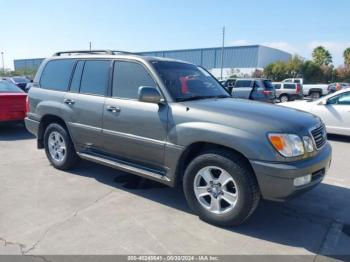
289,86
75,85
56,74
343,99
243,83
268,85
277,86
95,77
258,84
127,79
297,81
7,87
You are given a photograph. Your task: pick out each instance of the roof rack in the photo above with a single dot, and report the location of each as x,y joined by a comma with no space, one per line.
93,52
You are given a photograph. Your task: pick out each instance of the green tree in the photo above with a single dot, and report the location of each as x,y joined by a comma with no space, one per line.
346,56
294,66
312,72
321,56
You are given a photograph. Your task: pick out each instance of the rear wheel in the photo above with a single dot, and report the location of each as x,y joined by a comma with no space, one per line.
315,95
59,147
221,188
284,98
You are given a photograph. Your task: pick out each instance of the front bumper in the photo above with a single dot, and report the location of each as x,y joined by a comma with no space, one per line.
276,180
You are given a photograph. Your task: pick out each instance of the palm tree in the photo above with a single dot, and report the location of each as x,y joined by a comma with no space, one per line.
322,56
346,56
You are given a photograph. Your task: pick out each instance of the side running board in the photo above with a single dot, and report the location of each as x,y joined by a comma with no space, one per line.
124,166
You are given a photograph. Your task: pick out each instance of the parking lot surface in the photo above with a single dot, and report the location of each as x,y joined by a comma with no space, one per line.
98,210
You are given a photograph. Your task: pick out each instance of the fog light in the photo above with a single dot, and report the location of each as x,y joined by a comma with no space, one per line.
300,181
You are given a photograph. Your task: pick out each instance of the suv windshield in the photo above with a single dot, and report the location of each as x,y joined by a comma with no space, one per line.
7,87
188,82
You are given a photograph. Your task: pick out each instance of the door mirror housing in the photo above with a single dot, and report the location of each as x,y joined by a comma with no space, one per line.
323,102
150,94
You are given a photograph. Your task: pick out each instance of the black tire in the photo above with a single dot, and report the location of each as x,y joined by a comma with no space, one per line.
238,168
284,96
71,158
315,95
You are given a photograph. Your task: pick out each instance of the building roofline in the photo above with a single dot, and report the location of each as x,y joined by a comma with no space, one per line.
206,48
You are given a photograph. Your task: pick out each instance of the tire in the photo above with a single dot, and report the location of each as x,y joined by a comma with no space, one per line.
55,132
284,98
242,183
315,95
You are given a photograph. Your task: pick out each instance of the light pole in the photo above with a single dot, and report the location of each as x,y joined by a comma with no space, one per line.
3,63
222,52
90,45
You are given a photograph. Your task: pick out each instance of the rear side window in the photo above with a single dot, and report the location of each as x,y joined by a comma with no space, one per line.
75,85
94,80
297,81
289,86
258,84
242,83
56,74
277,86
268,85
128,77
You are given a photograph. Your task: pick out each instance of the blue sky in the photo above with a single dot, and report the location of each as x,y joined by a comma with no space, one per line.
38,28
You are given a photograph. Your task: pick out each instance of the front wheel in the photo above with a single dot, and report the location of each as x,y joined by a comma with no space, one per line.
221,188
59,147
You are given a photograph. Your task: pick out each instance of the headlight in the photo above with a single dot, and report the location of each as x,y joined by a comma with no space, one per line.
309,145
288,145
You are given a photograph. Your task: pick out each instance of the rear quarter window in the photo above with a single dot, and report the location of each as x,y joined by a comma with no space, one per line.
243,83
56,74
289,86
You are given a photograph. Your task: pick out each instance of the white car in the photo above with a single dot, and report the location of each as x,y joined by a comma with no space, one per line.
333,109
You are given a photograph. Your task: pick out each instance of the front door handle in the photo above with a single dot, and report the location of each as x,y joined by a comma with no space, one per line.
69,101
113,109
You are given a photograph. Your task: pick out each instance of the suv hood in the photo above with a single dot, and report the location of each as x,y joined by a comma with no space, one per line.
250,115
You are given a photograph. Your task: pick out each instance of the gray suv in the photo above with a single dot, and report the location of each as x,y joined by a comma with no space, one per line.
254,89
172,122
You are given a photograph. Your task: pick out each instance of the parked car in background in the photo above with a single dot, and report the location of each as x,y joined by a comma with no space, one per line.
172,122
334,110
254,89
337,86
315,91
12,102
288,91
20,81
228,84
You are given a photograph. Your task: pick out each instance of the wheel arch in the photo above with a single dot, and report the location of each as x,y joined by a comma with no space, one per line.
196,148
44,122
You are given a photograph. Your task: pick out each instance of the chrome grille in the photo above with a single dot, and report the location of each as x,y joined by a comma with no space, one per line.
319,135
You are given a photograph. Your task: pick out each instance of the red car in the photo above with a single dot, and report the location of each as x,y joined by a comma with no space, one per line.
13,103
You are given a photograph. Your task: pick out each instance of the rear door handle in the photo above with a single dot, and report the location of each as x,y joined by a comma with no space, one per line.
69,101
113,109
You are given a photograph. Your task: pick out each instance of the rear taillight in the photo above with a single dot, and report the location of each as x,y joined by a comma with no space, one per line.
298,88
27,104
266,92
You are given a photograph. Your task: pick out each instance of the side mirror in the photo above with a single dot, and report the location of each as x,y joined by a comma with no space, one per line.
149,95
323,102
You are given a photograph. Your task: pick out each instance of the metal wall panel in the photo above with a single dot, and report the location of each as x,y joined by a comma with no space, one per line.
254,56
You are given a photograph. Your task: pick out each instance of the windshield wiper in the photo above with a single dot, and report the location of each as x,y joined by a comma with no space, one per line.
200,97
